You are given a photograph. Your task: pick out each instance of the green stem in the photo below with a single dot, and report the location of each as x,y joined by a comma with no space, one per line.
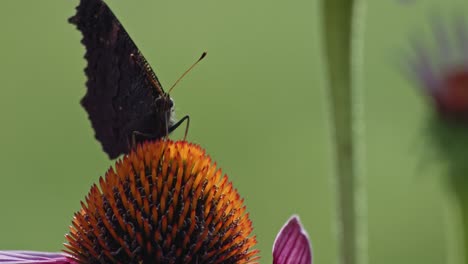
464,214
451,142
461,198
337,29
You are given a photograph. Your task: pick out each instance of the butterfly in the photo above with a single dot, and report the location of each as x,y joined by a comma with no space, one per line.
125,101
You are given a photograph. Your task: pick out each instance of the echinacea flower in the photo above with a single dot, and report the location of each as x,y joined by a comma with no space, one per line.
165,202
442,71
442,74
292,245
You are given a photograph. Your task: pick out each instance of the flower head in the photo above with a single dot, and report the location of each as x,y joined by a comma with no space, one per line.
444,75
292,245
165,202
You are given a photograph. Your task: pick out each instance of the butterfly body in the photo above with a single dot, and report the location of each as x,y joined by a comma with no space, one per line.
124,100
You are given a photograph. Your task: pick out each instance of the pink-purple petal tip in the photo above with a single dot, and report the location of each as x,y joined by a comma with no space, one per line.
292,245
33,257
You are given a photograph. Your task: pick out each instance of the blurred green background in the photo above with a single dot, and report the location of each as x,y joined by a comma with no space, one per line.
257,104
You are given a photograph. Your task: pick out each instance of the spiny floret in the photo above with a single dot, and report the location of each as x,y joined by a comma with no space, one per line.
166,202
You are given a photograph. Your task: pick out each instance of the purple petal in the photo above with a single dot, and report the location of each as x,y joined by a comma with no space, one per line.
462,34
423,68
292,245
442,35
33,257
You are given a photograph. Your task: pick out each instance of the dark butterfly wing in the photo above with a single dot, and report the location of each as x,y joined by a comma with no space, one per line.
121,86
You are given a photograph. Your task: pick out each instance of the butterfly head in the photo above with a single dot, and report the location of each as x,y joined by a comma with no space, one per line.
164,105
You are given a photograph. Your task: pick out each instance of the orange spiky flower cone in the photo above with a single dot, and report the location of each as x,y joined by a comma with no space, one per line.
165,202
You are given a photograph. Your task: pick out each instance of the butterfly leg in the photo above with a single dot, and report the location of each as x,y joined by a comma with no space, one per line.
138,133
176,125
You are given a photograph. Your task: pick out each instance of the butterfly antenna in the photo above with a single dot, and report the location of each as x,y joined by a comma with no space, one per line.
187,71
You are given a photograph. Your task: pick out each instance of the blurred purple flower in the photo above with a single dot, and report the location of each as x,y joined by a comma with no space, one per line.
292,245
442,72
33,257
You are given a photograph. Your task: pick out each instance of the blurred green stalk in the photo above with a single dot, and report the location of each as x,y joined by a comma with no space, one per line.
460,187
450,138
463,197
341,54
